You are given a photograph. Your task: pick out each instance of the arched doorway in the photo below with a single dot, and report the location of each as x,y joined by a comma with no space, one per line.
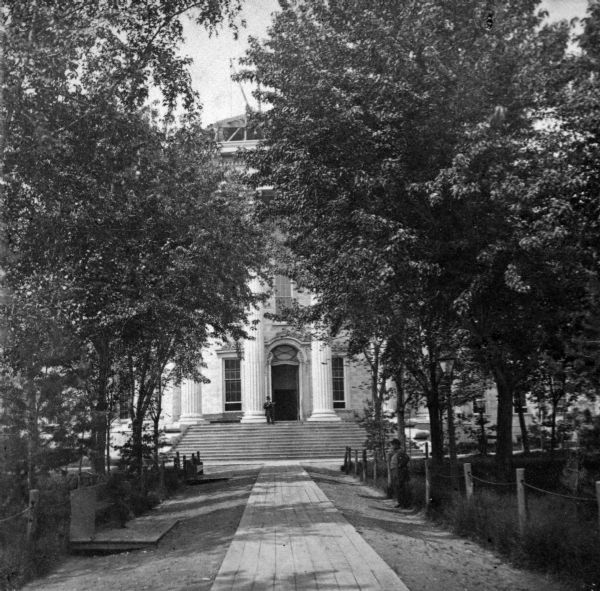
284,382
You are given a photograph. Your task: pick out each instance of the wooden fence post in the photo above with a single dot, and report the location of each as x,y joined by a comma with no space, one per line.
144,482
364,465
598,499
34,499
374,466
468,481
521,500
356,462
426,450
348,460
427,484
162,484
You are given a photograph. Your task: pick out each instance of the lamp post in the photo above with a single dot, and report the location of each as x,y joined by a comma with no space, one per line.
447,365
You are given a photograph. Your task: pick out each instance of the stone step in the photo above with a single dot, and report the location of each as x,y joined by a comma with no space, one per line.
231,442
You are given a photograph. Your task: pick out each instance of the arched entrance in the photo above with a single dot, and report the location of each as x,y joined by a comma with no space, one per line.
284,382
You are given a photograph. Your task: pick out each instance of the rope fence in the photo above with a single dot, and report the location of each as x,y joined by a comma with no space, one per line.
555,494
492,483
447,476
351,460
15,515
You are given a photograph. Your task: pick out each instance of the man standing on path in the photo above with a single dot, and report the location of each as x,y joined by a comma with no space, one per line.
268,406
398,462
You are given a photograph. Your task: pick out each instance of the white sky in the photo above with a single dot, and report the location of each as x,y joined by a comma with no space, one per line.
220,96
211,72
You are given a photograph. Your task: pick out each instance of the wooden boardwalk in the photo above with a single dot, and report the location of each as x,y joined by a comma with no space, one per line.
292,537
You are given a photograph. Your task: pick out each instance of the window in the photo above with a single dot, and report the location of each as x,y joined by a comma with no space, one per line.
283,293
337,371
233,384
123,406
520,401
285,354
124,389
479,406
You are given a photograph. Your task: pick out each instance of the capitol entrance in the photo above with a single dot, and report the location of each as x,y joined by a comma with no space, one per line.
284,380
284,383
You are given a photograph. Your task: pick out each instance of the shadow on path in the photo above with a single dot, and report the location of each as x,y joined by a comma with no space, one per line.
186,559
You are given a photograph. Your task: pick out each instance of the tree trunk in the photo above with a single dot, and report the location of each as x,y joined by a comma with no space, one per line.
483,438
523,427
553,427
100,409
156,425
504,426
108,446
137,445
451,433
435,423
400,407
32,434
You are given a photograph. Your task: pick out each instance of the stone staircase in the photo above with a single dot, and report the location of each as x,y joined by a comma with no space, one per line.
260,442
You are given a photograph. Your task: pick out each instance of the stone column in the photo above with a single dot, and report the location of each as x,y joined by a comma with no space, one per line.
253,366
175,403
322,386
191,403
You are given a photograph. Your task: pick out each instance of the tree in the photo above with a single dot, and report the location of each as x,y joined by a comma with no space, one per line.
43,395
74,78
146,263
374,106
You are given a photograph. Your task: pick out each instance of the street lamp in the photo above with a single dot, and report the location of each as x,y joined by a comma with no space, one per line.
447,364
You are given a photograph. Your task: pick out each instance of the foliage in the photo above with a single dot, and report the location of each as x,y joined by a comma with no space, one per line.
473,190
20,561
379,428
588,435
117,226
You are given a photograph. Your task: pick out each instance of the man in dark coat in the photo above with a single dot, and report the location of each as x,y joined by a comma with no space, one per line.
268,406
398,461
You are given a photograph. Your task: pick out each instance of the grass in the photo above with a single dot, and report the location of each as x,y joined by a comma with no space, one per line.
561,536
22,560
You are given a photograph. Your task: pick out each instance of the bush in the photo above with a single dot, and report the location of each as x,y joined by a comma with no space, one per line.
557,539
20,561
561,536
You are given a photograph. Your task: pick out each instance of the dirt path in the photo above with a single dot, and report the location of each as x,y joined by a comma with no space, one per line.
187,558
426,558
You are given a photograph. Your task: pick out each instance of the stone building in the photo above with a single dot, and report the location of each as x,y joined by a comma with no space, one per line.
308,379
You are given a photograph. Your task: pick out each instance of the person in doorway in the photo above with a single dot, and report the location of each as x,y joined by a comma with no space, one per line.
269,407
398,462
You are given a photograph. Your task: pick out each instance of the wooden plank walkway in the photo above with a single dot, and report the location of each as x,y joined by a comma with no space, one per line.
291,537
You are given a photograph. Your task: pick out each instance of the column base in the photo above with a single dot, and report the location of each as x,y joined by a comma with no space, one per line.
192,420
324,415
254,417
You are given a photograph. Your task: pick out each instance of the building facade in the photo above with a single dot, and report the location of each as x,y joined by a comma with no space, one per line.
307,378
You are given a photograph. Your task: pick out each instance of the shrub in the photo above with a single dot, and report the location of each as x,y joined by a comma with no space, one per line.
20,561
557,540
